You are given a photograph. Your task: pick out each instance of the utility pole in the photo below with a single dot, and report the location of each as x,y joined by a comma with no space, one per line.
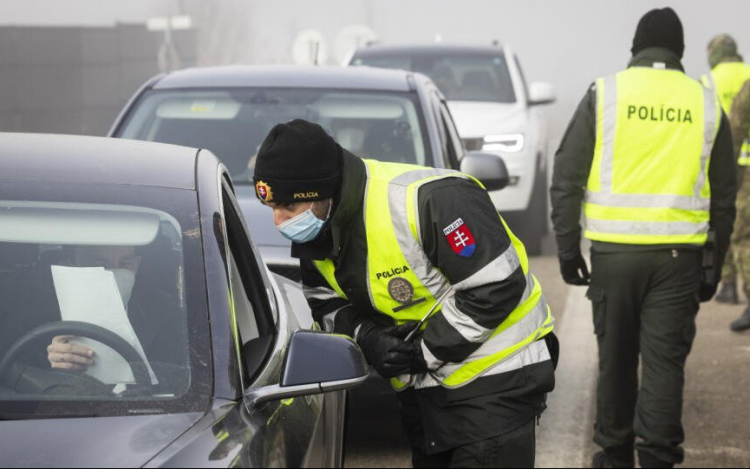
169,57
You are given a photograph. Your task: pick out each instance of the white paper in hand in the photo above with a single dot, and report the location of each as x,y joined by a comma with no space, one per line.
91,295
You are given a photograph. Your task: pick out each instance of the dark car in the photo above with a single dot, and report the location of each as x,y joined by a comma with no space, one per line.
387,115
138,251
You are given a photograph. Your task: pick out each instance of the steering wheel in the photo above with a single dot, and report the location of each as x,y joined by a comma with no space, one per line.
82,329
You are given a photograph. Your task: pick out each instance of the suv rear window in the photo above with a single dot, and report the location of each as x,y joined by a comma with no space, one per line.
461,77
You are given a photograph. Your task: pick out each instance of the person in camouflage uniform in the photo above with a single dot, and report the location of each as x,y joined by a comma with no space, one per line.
723,50
740,122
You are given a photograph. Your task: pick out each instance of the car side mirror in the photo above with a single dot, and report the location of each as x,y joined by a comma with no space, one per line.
489,169
541,93
315,363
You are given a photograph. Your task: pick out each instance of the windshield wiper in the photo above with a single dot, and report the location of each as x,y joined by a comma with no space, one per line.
146,411
9,418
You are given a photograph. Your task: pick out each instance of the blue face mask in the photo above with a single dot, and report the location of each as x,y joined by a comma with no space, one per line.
303,228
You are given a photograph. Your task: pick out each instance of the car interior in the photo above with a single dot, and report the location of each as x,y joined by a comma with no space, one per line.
30,300
233,125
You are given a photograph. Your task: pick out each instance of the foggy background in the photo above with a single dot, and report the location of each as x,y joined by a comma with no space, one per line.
567,43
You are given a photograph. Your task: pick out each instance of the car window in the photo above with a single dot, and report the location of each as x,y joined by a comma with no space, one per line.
461,77
233,123
131,274
455,146
252,318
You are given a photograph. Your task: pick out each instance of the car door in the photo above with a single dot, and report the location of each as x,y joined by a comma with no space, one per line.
291,432
251,327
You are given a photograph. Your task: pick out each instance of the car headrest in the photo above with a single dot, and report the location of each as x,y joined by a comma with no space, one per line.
351,138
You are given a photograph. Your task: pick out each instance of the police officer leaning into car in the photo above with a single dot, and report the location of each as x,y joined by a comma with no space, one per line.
380,244
648,156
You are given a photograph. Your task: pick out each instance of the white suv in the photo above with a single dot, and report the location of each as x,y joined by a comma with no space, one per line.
495,112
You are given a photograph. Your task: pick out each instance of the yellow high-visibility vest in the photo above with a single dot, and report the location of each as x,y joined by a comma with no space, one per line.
649,182
727,79
395,254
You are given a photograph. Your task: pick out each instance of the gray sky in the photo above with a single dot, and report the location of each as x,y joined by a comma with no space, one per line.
565,42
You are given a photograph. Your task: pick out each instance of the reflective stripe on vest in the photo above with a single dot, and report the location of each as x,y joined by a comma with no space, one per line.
744,159
395,254
649,179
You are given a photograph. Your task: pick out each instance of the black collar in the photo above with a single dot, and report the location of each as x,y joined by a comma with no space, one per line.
347,205
651,55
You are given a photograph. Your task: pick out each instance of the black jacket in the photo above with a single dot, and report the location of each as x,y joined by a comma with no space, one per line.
489,406
573,165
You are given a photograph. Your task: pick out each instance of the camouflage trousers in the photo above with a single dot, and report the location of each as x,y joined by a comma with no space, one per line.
742,263
729,271
740,250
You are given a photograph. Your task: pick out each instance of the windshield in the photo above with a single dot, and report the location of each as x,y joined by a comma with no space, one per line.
234,123
461,77
92,284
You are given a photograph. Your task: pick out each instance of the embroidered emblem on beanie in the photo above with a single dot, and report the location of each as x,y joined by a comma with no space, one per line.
264,192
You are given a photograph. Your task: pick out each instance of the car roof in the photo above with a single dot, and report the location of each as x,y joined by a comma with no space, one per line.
78,159
288,76
426,50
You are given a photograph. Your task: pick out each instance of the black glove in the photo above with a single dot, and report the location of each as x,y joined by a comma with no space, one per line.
385,348
575,271
707,291
418,364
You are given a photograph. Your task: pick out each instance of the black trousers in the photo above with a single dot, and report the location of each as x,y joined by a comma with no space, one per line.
644,305
513,449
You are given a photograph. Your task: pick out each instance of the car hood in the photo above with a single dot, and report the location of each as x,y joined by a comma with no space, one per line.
90,442
478,119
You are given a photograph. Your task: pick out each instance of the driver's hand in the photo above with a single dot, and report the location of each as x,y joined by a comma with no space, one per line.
66,356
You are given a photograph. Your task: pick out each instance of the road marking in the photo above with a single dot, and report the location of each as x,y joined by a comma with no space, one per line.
730,451
564,437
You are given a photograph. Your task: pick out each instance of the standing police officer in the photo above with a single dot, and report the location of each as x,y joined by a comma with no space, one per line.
380,245
648,157
728,74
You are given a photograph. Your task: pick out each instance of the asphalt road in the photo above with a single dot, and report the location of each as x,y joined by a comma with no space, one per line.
716,412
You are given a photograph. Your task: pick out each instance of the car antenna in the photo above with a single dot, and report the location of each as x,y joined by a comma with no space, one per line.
316,57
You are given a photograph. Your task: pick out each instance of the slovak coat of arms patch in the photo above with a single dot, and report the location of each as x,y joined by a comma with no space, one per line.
460,238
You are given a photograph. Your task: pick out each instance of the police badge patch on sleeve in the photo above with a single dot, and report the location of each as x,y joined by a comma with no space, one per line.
460,238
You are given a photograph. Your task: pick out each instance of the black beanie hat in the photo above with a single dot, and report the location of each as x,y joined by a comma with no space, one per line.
659,28
298,162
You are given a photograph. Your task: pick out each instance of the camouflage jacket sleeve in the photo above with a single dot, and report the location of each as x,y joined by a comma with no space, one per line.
722,174
739,118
